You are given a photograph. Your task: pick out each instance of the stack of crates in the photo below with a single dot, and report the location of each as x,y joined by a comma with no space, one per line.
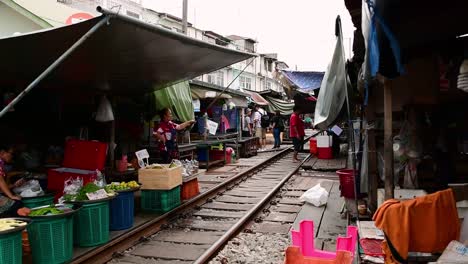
160,188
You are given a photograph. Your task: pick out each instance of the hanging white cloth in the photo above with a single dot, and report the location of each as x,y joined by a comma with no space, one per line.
104,112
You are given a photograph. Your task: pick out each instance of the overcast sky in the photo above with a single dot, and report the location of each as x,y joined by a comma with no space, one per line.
300,31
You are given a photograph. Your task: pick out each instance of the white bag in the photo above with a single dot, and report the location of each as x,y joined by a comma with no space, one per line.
30,188
104,112
316,195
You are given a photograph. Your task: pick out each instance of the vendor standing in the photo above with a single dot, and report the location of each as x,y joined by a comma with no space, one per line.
9,202
166,134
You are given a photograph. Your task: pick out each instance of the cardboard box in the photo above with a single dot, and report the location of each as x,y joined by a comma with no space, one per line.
160,179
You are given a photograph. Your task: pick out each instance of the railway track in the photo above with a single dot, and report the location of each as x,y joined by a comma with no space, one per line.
199,228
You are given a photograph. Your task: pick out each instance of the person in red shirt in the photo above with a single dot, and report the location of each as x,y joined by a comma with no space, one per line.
166,134
296,132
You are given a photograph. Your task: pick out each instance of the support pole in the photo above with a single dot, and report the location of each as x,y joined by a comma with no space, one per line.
184,16
372,156
54,65
388,140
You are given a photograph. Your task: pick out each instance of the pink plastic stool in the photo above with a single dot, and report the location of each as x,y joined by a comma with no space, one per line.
304,239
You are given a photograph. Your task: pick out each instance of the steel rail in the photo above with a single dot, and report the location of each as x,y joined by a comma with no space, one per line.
132,237
237,227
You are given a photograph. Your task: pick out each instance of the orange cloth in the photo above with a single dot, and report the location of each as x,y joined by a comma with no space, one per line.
424,224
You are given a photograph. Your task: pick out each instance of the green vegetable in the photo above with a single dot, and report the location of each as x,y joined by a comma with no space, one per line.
88,188
51,210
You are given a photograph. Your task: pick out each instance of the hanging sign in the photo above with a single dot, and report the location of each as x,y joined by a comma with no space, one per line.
212,127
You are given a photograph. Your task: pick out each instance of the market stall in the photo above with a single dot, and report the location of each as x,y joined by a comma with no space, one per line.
228,112
74,74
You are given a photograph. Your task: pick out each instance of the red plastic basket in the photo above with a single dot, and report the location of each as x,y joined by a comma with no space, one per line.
346,183
189,189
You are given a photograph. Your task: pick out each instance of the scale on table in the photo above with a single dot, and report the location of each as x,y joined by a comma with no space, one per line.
141,156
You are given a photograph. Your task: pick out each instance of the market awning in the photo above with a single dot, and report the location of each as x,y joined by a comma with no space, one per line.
124,56
178,98
306,81
398,30
258,99
201,93
285,108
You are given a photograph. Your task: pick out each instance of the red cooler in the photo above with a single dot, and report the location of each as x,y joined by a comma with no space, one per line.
324,147
82,159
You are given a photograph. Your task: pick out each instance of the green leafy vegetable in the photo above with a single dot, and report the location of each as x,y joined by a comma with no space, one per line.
88,188
51,210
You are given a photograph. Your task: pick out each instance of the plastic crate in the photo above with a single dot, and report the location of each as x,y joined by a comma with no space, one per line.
91,224
51,240
122,211
160,201
216,154
189,189
11,250
38,201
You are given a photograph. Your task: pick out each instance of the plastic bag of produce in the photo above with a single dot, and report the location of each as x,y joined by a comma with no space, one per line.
29,189
316,195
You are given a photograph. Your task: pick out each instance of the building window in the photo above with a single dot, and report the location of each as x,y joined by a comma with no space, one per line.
245,82
216,78
268,85
133,14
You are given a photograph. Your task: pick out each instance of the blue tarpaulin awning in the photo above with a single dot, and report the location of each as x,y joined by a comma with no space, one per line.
306,81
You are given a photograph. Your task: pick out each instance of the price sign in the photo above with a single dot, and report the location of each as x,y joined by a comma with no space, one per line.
99,194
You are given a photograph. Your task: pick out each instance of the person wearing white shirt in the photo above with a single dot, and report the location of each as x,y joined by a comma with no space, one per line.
259,131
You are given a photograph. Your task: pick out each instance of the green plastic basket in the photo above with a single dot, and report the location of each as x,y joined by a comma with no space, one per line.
51,240
160,201
38,201
11,248
91,224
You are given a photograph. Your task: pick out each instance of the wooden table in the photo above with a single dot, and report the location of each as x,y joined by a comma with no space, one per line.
245,147
186,151
205,146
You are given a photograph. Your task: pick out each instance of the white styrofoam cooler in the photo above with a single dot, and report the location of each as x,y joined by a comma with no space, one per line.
324,141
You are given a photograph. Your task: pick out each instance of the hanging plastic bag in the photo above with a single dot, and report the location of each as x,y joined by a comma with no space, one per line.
316,195
100,179
104,112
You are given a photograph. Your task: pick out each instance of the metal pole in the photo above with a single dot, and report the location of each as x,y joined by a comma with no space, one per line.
224,90
54,65
184,16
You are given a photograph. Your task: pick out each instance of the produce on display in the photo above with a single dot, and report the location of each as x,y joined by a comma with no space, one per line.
7,224
81,194
50,210
116,186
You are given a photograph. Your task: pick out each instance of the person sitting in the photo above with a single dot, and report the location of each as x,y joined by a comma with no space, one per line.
10,204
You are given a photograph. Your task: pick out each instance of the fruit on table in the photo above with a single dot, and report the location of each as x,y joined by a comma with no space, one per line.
7,224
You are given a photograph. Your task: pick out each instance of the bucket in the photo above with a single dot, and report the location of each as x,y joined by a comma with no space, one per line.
313,146
122,211
346,183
